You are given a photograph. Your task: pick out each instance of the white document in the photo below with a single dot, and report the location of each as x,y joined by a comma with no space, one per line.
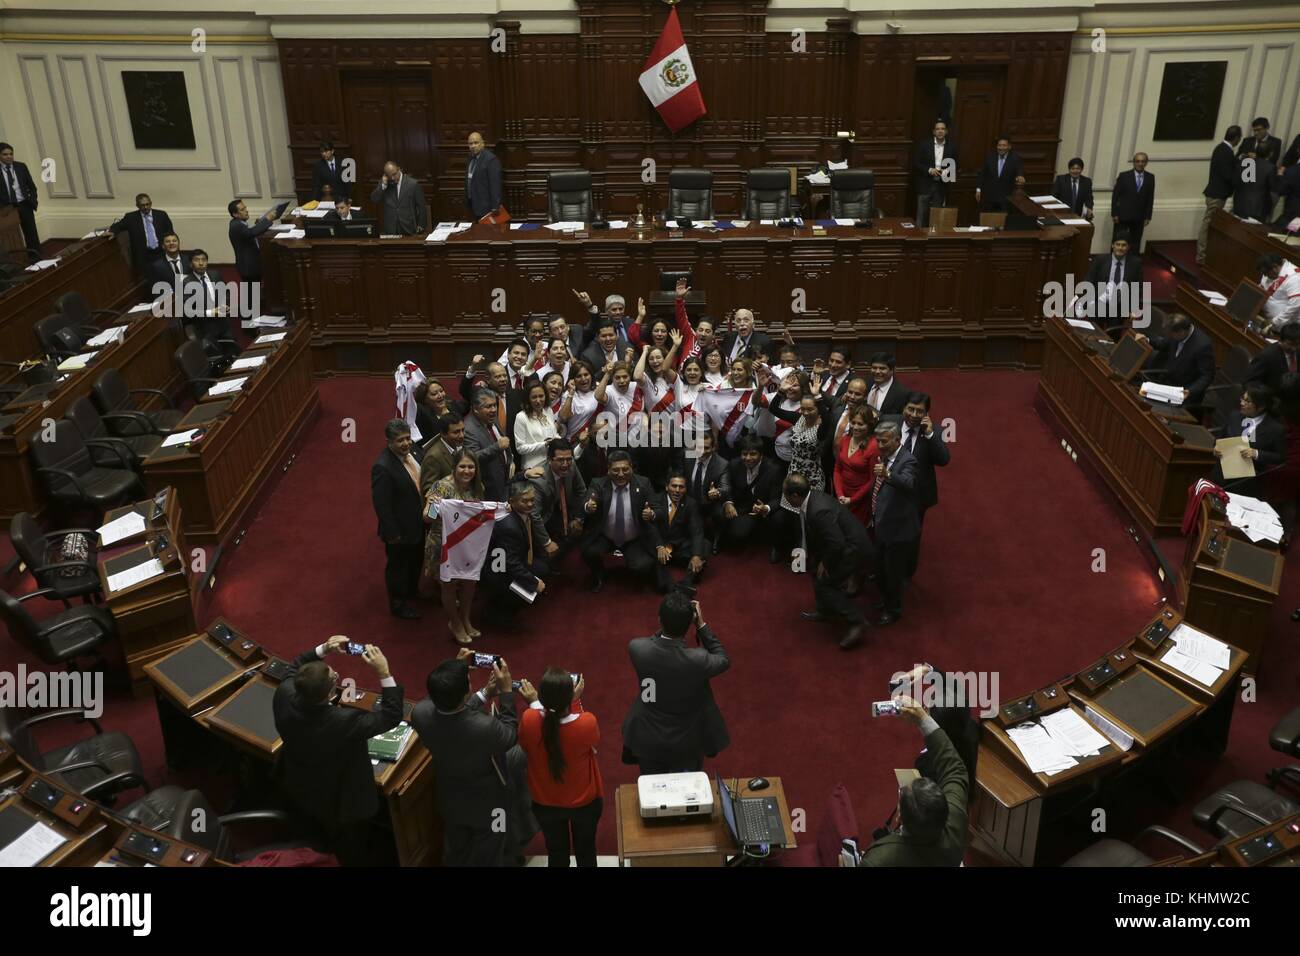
972,228
180,438
43,264
767,222
842,164
1201,646
1081,324
269,337
1216,298
115,334
618,223
228,386
74,362
845,222
316,214
117,529
38,842
1118,737
252,361
1054,205
142,307
269,322
1076,736
1199,671
293,234
1044,199
566,226
1255,518
280,227
515,225
1074,222
1249,219
1169,394
325,204
818,179
441,234
529,596
740,223
1041,752
132,576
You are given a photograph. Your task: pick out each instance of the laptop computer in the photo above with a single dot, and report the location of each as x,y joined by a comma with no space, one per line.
753,821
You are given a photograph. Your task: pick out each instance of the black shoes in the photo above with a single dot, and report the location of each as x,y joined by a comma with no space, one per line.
597,584
405,612
854,638
887,619
813,616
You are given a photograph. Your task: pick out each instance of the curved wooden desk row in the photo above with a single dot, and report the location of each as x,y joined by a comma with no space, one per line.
1233,246
1135,690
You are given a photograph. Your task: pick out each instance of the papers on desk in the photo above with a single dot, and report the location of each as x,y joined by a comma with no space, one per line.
74,362
229,386
618,223
1198,671
1041,751
133,576
1254,518
818,179
1249,219
767,222
269,322
1169,394
1198,655
115,334
292,234
1230,460
445,229
845,222
34,845
1076,736
1215,298
124,527
1043,200
326,204
142,307
280,227
269,337
1054,205
252,361
565,226
1081,324
390,745
972,228
1119,738
739,223
43,264
1075,222
180,438
315,213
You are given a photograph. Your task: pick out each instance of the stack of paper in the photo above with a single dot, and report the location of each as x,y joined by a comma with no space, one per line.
1041,751
35,843
269,337
1075,735
74,362
142,307
972,228
326,204
739,223
292,234
818,179
1043,200
618,223
1075,222
1255,518
1169,394
439,235
1118,737
1197,654
567,226
180,438
1215,298
1054,204
316,213
842,164
280,227
845,222
227,387
269,321
43,264
251,361
129,524
132,576
115,334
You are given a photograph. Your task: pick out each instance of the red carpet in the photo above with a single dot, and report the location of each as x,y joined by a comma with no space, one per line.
1005,585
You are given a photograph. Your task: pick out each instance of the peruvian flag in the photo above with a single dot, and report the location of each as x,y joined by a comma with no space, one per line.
727,410
466,533
669,78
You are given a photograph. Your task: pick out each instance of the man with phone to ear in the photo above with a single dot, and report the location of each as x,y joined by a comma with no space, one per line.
324,768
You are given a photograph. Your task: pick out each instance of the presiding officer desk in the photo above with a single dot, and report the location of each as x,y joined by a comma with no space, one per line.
938,299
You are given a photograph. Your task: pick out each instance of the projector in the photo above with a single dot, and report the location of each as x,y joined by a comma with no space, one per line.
664,795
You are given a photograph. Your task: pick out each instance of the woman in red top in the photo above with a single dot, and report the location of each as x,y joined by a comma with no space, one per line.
560,740
855,461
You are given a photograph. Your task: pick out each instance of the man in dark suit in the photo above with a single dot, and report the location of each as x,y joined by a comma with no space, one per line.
1266,436
1261,142
1184,358
1257,183
674,722
518,539
561,494
1001,175
18,190
342,212
1132,201
1222,182
399,506
923,441
1115,284
481,778
489,442
204,305
615,312
328,171
836,374
608,346
835,549
754,481
1276,360
1075,189
169,266
708,482
887,395
145,228
837,419
496,377
440,451
895,518
931,811
620,517
681,533
1289,191
243,239
482,178
745,337
323,767
934,168
401,199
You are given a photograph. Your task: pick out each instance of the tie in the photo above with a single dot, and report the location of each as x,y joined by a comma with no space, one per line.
331,167
12,183
620,518
412,469
1138,179
875,493
528,530
874,399
1247,429
1179,350
150,237
697,486
564,506
1002,161
911,441
672,511
176,265
501,414
1074,185
1114,271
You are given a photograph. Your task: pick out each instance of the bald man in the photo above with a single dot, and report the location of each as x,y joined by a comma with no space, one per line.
401,198
482,178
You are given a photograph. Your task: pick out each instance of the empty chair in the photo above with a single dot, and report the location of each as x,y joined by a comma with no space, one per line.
995,219
62,562
196,367
73,477
853,194
131,450
116,404
768,194
1241,807
62,638
60,336
943,218
569,195
99,767
1109,852
1285,735
75,307
690,194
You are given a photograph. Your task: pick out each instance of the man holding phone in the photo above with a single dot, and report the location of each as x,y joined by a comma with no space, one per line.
323,768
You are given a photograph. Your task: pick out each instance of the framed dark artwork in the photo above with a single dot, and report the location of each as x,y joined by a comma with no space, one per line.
159,107
1189,100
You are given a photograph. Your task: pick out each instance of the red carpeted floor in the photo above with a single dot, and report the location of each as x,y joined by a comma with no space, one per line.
1006,585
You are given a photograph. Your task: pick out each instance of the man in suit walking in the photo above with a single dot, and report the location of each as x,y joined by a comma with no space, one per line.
895,518
681,534
934,167
481,779
923,441
399,506
323,767
482,178
674,722
1002,174
487,438
18,190
1222,181
169,266
328,171
1075,189
1274,361
1132,201
145,228
401,198
744,337
620,517
561,494
754,481
243,239
709,485
1184,358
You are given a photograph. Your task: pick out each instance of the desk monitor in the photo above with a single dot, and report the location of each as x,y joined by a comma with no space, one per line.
1143,701
668,280
248,714
320,230
1251,562
1127,356
1246,301
359,229
1193,435
196,667
1019,222
13,824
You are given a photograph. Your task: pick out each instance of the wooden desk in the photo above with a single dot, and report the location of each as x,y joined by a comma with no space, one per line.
1147,463
684,841
1233,246
12,239
82,845
144,359
1224,331
99,268
1081,250
938,300
221,477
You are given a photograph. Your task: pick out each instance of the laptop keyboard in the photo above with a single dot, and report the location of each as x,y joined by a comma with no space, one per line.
753,814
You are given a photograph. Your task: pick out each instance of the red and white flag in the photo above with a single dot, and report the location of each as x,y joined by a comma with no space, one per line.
669,78
466,534
727,410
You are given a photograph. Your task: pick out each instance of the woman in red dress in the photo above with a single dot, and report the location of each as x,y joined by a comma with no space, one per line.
855,462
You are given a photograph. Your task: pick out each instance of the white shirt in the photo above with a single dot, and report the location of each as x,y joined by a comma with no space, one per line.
876,396
802,512
1283,303
1248,426
938,154
531,436
10,174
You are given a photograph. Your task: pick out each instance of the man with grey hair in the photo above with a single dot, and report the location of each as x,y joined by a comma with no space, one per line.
615,311
895,518
487,438
744,337
401,201
399,506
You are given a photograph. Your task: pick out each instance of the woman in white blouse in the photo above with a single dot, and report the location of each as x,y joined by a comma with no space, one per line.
715,367
534,427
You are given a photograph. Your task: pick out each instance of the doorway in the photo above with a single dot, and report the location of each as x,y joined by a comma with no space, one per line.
389,116
969,100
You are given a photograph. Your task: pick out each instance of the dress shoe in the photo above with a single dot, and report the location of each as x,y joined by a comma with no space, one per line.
406,612
853,638
887,619
814,616
597,584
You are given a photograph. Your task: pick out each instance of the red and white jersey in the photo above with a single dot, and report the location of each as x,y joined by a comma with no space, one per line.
726,409
622,404
715,380
1283,303
685,394
466,534
584,409
659,396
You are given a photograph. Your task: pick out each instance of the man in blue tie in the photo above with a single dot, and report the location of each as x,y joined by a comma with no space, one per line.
1132,201
145,228
621,516
1002,174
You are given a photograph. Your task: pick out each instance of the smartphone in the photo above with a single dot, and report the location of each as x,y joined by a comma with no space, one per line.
484,660
884,708
354,649
516,684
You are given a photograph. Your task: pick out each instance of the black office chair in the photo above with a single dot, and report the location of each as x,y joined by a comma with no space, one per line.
1110,852
61,638
853,194
98,767
14,271
55,558
569,195
1236,364
118,409
690,194
74,306
72,476
196,367
768,194
61,337
1243,806
131,450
